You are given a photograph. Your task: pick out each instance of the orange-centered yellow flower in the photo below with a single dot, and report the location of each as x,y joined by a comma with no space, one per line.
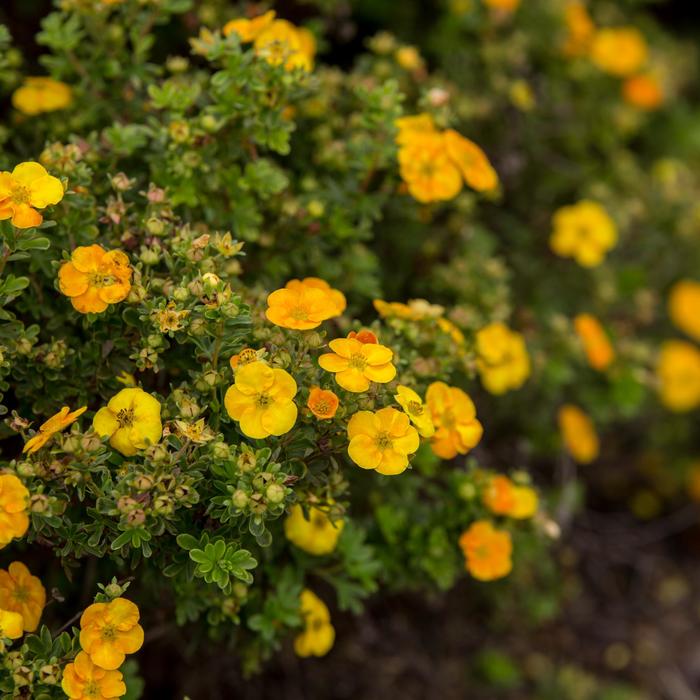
317,535
95,278
472,162
41,94
262,400
678,371
318,635
110,631
684,307
53,425
27,188
382,440
583,231
356,364
14,498
415,409
457,429
596,344
578,433
82,680
10,625
643,91
322,403
22,593
620,51
487,551
131,420
303,305
502,358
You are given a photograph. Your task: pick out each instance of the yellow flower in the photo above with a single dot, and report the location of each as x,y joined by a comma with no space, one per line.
596,345
82,680
356,364
198,432
580,27
457,429
502,358
643,91
427,169
131,420
409,58
317,535
53,425
412,127
281,43
526,503
382,440
503,5
414,408
322,403
446,326
583,231
578,433
678,371
170,319
487,551
503,497
262,400
303,305
684,307
95,278
41,94
620,51
415,310
10,625
245,357
14,521
472,162
27,188
110,631
249,29
318,635
22,593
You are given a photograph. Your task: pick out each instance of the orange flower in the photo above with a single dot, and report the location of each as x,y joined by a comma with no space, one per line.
643,91
14,521
472,162
95,278
598,349
22,593
487,551
499,495
27,188
82,680
53,425
364,336
356,364
457,429
578,433
304,304
322,403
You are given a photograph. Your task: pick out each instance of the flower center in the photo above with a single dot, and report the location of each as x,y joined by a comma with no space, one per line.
358,361
247,355
109,634
125,417
317,624
91,689
448,419
21,594
415,408
427,168
300,312
20,194
322,406
264,400
383,441
98,279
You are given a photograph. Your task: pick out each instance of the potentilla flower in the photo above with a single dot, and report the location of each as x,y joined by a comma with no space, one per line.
643,91
170,319
53,425
596,344
414,126
578,433
684,307
502,358
10,626
22,593
364,336
498,496
526,503
414,310
382,440
620,51
281,43
322,403
41,94
27,188
262,400
472,162
357,364
302,306
110,631
457,429
245,357
14,497
581,29
415,409
249,29
678,371
95,278
131,420
318,535
82,680
583,231
198,432
318,635
335,295
487,551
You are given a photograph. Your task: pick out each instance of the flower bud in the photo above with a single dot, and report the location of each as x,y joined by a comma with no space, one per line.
239,499
275,493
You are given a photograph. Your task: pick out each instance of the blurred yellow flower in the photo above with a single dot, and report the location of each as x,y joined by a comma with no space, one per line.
409,58
53,425
620,51
414,126
487,551
357,364
578,433
22,593
10,625
678,371
281,43
583,231
457,429
596,344
502,5
526,503
580,28
502,358
318,635
382,440
14,498
414,408
41,94
83,680
684,307
472,162
27,188
262,400
249,29
502,497
317,535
